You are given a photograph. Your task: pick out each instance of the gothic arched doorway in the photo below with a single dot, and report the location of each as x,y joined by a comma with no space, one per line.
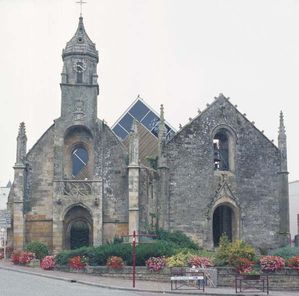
224,222
77,228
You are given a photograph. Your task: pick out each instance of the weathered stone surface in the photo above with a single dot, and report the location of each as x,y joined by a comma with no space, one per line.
252,185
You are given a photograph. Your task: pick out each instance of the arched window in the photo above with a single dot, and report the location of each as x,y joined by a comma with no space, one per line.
221,151
79,162
224,149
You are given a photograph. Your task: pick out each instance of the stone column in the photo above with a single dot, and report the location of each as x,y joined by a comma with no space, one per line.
163,196
133,169
284,224
57,236
18,207
97,214
19,190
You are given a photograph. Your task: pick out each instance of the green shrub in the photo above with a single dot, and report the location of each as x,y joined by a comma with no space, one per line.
286,252
230,252
102,253
155,249
89,252
99,255
177,237
39,249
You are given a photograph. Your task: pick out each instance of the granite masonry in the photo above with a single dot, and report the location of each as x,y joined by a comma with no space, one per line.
80,185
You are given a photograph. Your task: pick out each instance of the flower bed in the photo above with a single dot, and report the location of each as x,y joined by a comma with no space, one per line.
22,257
272,263
77,262
294,263
115,262
155,263
47,263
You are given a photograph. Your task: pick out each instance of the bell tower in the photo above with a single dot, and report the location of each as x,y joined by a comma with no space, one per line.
79,86
75,134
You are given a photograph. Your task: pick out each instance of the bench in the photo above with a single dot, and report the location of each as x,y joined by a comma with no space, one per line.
185,278
260,283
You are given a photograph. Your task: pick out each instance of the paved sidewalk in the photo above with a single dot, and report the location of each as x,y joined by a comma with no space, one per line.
124,284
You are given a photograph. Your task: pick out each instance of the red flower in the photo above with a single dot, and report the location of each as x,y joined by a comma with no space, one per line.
294,262
22,257
115,262
77,262
47,263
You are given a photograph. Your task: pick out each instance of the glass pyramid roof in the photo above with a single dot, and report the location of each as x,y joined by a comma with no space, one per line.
144,114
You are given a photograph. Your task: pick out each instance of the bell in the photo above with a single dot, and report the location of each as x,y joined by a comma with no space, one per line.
216,153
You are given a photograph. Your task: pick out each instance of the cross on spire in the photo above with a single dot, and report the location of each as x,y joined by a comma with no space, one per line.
81,3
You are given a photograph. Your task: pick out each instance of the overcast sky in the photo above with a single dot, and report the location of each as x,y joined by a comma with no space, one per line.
181,53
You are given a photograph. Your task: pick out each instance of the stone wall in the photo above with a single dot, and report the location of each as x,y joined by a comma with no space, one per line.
286,279
39,191
38,228
251,185
111,158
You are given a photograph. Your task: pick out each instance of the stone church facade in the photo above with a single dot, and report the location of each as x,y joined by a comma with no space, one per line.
80,185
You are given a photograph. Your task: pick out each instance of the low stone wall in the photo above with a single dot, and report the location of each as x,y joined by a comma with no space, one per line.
286,279
126,272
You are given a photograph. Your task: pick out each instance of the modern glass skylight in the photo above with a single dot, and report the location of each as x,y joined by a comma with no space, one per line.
143,114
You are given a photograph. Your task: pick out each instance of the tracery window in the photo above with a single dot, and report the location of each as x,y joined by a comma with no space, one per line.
79,162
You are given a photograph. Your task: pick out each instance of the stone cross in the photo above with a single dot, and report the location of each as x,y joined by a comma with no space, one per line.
81,3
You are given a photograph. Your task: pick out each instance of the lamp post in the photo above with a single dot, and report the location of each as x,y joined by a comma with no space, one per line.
3,238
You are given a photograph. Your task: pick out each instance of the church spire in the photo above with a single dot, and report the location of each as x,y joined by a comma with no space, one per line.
282,143
80,44
282,132
162,139
21,144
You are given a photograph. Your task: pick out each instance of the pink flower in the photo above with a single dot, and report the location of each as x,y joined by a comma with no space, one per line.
272,263
47,263
155,263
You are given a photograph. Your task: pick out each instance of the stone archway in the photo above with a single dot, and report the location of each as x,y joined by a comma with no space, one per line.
78,228
225,220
